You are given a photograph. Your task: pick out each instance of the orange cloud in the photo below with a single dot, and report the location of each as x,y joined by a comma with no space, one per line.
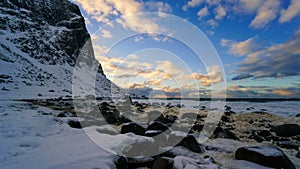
282,92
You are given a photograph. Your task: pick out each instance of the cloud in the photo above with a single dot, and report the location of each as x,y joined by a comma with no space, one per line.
248,6
279,60
192,3
242,76
265,14
214,75
262,91
220,12
282,92
203,12
104,10
239,48
160,7
106,34
212,23
289,13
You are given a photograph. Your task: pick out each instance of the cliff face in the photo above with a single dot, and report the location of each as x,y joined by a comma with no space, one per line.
40,41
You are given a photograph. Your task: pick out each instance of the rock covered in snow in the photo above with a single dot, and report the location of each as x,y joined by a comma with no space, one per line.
266,155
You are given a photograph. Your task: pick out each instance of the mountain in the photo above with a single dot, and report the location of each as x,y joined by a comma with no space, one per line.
42,44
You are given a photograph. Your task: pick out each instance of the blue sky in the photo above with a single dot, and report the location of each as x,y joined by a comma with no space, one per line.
257,42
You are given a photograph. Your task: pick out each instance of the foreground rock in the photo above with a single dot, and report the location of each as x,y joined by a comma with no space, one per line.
188,141
135,128
286,130
163,163
268,156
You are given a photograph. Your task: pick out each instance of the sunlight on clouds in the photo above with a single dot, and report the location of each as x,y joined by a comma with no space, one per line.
275,61
192,3
212,23
239,48
220,12
282,92
265,14
289,13
106,34
214,76
203,12
104,10
248,6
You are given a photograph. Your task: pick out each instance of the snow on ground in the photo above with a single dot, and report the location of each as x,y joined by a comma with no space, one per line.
32,140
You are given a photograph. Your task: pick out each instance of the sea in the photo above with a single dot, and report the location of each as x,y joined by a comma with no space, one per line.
281,107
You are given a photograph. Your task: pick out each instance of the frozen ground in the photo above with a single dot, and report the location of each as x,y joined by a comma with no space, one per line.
32,137
32,140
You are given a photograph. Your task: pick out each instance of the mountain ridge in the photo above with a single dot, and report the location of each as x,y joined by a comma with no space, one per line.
41,41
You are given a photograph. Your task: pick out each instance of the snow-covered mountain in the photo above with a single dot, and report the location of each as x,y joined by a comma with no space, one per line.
40,43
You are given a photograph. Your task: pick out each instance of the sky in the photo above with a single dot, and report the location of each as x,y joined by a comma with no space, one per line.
198,48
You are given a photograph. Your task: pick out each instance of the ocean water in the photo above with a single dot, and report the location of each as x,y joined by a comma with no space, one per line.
282,108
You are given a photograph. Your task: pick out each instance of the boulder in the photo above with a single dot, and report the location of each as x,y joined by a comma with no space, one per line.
133,127
141,161
265,155
180,151
186,140
74,124
145,148
191,116
288,144
156,125
163,163
121,163
154,115
224,133
286,130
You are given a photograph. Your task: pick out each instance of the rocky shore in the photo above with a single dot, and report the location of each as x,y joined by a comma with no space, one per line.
169,138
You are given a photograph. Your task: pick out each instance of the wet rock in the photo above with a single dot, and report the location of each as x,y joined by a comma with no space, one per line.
202,107
191,116
250,108
268,156
180,151
209,159
224,133
288,144
286,130
74,124
197,127
66,114
107,130
163,163
156,125
159,137
133,127
121,163
146,148
227,108
226,119
5,89
261,135
217,149
154,115
298,155
137,162
152,133
188,141
228,113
